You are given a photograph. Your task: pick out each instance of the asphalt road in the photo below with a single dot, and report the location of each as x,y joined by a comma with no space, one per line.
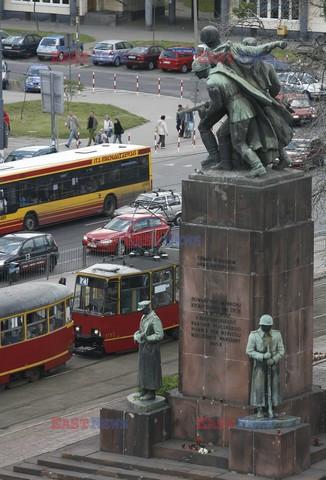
170,82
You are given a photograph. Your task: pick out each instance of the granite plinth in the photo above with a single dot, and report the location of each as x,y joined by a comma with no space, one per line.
270,453
284,421
128,432
145,406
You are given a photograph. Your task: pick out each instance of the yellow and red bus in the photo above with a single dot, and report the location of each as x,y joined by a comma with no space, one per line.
67,185
36,330
107,295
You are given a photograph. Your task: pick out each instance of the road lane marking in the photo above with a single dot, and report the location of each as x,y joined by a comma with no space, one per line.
186,166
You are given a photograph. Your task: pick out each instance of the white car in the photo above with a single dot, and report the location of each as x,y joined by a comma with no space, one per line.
110,52
303,82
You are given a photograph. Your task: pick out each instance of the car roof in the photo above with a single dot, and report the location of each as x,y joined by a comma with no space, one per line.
113,41
54,36
31,148
159,194
136,216
38,65
25,235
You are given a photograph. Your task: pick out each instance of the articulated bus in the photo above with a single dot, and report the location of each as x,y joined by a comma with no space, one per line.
67,185
36,330
106,298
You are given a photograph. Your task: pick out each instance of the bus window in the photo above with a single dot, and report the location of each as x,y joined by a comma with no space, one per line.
111,298
37,324
134,289
12,330
177,280
57,316
89,294
162,288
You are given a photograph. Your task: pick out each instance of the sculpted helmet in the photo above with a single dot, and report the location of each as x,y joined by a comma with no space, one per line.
266,320
210,35
250,41
200,64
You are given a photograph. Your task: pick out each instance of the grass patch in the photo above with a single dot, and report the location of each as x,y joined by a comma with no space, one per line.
37,124
163,43
83,37
206,6
281,54
169,383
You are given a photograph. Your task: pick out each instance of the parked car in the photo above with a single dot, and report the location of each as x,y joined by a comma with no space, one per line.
23,45
306,153
110,52
299,105
30,250
166,203
145,56
33,77
303,82
133,230
53,47
5,75
176,58
27,152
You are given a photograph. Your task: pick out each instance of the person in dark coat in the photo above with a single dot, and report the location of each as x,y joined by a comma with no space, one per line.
180,119
148,336
92,125
118,130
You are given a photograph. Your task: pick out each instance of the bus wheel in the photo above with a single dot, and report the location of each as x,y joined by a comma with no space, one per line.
120,251
33,375
30,222
110,204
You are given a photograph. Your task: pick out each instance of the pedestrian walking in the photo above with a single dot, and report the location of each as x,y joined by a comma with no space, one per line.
162,130
92,125
74,127
118,130
180,119
108,127
189,123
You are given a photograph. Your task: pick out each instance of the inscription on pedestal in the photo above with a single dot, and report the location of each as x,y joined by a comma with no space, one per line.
214,322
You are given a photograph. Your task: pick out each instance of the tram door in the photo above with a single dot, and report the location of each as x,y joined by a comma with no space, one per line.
134,289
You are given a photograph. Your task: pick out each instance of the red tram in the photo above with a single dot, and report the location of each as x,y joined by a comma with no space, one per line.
36,330
107,295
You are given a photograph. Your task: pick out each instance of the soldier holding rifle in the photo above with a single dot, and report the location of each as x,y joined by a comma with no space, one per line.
265,347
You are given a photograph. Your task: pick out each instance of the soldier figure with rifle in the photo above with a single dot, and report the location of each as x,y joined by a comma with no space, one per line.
265,347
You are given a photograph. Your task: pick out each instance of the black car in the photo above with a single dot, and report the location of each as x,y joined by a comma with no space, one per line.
23,45
31,251
145,56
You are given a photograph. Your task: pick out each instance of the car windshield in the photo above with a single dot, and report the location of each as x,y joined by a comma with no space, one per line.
118,225
19,155
9,246
14,39
306,78
300,103
139,50
35,71
48,41
104,46
144,199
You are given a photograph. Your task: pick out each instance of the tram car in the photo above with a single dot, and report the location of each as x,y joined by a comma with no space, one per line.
36,330
107,295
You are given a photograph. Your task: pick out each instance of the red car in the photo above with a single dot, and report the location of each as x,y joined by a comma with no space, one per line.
299,105
145,56
177,58
134,230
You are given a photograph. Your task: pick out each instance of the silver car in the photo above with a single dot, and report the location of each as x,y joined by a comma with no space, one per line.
110,52
166,203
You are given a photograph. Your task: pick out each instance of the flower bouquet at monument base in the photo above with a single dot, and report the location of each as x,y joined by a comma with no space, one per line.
198,446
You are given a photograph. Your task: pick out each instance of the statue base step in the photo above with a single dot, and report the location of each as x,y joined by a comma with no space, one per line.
129,432
145,406
281,421
270,453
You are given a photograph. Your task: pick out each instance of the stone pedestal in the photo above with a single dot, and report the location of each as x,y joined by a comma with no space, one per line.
269,453
126,431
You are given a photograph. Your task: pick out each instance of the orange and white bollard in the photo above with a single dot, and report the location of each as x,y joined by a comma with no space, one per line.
194,138
181,88
155,143
115,83
93,82
79,87
129,138
159,87
179,140
137,85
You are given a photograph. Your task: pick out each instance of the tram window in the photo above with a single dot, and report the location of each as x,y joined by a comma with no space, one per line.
111,298
37,323
89,294
134,289
177,280
57,316
12,330
68,310
162,288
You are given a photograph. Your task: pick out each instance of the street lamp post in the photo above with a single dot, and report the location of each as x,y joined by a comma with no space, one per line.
195,9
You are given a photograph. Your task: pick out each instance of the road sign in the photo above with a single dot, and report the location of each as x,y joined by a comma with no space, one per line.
52,92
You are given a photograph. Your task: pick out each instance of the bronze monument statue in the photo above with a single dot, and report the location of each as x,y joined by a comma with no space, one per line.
148,336
243,87
265,347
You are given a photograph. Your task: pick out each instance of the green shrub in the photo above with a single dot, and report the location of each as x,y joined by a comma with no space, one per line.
169,383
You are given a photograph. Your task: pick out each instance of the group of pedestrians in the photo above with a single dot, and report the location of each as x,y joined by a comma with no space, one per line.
185,121
110,128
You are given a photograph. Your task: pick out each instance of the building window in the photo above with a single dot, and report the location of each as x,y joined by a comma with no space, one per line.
278,9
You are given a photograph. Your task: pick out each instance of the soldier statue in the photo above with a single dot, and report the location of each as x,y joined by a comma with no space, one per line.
148,336
265,347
